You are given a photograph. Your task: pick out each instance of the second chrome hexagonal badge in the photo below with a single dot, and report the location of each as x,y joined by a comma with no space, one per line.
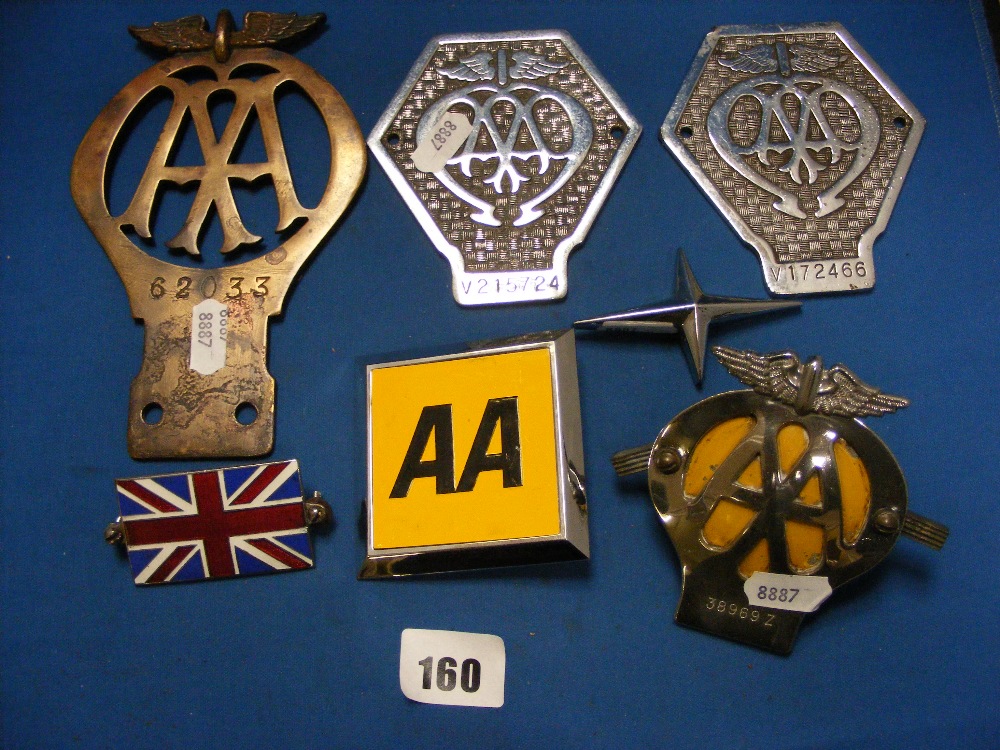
802,142
518,141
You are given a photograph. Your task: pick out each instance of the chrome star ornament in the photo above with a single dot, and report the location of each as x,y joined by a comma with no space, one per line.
689,312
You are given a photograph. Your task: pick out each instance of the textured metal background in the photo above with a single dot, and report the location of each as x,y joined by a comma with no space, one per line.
486,248
834,236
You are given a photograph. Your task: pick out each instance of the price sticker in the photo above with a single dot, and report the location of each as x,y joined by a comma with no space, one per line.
451,668
441,142
792,593
209,324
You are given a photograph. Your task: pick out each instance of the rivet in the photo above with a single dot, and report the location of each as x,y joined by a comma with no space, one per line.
668,461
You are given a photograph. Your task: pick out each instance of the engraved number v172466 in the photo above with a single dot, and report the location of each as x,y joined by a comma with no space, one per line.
806,271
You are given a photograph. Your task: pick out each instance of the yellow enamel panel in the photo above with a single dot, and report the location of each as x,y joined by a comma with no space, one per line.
810,493
759,559
488,511
792,443
712,450
855,491
752,477
727,522
805,545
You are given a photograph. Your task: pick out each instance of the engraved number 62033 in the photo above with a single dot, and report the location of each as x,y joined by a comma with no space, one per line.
158,288
236,286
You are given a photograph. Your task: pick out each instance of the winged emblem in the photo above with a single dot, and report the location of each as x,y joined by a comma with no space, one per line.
767,58
476,68
183,35
191,33
526,66
808,387
806,59
530,66
759,59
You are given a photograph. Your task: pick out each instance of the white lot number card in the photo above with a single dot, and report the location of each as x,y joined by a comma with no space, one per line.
451,668
442,142
789,592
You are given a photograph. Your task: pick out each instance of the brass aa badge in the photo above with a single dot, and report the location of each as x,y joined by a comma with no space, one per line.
776,496
505,146
802,142
475,460
206,328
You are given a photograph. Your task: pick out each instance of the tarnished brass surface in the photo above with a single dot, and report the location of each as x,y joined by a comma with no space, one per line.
199,411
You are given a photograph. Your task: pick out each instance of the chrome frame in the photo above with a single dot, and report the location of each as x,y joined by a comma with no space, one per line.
572,541
770,264
441,242
713,573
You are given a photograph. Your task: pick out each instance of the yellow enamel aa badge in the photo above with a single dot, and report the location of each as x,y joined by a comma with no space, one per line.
475,459
776,496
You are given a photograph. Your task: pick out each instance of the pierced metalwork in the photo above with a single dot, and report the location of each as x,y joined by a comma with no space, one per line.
549,137
180,405
802,142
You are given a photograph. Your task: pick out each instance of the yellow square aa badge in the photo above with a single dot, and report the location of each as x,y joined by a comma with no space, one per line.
475,460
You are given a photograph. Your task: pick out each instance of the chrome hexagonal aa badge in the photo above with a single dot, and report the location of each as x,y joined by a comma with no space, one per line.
802,142
505,146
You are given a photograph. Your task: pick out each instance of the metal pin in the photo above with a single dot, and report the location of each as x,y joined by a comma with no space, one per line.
632,460
924,530
316,510
114,532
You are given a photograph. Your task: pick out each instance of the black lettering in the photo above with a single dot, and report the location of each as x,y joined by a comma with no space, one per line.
508,460
436,419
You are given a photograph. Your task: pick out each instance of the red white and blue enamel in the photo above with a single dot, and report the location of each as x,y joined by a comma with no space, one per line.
191,526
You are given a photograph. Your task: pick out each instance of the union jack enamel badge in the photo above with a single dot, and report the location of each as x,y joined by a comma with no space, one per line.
221,523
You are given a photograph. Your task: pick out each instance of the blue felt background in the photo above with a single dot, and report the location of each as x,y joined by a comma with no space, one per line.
906,657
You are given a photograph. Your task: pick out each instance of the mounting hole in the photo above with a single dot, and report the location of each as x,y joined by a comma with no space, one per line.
686,132
617,132
246,413
392,139
152,413
900,123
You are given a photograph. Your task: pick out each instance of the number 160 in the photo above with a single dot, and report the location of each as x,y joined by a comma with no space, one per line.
446,675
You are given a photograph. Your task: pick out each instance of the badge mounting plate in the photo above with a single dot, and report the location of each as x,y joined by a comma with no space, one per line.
811,212
507,222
